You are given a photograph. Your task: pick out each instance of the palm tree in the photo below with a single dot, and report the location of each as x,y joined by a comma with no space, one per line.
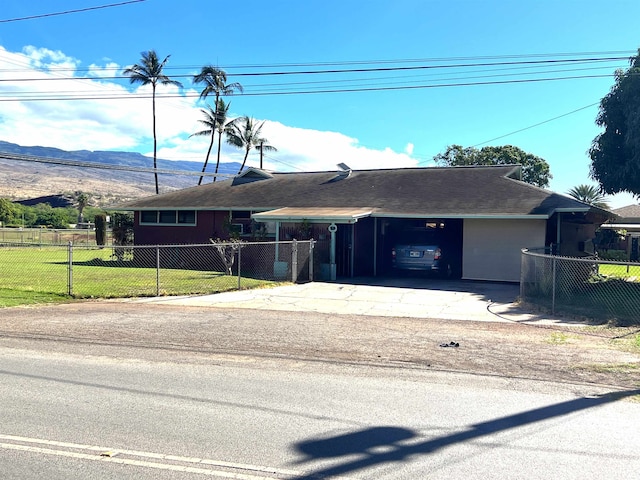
215,81
149,71
82,200
223,125
244,133
589,194
210,123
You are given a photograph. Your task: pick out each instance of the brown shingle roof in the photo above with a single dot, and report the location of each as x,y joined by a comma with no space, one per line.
442,192
628,214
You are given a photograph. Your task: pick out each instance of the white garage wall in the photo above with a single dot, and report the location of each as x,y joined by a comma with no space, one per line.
491,248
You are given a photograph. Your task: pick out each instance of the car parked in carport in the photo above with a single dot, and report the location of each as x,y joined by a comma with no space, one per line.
421,253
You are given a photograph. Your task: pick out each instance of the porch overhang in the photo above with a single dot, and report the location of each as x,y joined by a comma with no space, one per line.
313,215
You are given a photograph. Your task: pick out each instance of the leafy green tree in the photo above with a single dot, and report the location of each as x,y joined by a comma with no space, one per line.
535,170
9,212
48,216
245,133
27,216
615,153
122,228
122,234
215,82
589,194
150,72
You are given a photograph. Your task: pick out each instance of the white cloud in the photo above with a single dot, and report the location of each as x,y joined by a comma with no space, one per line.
409,149
111,69
49,59
310,150
100,114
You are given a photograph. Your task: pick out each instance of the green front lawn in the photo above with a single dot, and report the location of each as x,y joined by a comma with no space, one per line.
41,274
619,271
16,297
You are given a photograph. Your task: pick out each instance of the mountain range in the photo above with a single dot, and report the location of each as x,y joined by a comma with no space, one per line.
20,180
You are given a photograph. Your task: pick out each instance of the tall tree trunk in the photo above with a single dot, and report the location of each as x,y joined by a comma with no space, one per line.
213,133
218,159
243,161
155,142
206,160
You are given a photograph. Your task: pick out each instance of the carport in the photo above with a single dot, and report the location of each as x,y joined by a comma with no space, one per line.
340,224
360,243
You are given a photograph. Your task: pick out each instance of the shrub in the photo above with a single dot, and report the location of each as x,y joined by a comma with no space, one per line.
101,228
613,255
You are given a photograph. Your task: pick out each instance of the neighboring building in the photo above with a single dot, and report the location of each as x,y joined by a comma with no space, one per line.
485,214
628,221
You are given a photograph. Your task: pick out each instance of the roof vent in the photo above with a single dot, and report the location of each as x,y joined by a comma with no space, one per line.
345,172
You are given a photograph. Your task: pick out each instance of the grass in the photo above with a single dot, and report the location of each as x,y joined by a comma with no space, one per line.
557,338
14,298
37,275
612,367
620,271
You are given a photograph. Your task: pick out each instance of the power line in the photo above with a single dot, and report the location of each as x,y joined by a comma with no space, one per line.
102,166
549,62
66,12
75,97
295,167
537,124
521,129
627,54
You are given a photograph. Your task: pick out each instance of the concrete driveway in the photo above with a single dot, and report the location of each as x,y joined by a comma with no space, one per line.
396,297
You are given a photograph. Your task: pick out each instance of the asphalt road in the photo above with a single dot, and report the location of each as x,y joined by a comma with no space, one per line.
144,392
84,417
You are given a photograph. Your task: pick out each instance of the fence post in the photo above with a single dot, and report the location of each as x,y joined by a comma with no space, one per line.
294,261
70,269
157,270
311,250
553,287
239,265
523,268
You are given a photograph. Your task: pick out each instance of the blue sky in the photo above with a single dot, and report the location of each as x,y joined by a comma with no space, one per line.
364,129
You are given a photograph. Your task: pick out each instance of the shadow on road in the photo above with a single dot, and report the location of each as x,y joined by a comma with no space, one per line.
381,445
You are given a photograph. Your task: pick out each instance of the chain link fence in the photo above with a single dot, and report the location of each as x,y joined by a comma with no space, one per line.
602,290
130,271
49,236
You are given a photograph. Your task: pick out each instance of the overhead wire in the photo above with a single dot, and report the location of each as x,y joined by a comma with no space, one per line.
507,69
341,85
627,54
67,12
129,96
104,166
537,124
549,62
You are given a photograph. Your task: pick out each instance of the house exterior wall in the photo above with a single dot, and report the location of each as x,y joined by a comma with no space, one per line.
208,225
492,248
577,239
